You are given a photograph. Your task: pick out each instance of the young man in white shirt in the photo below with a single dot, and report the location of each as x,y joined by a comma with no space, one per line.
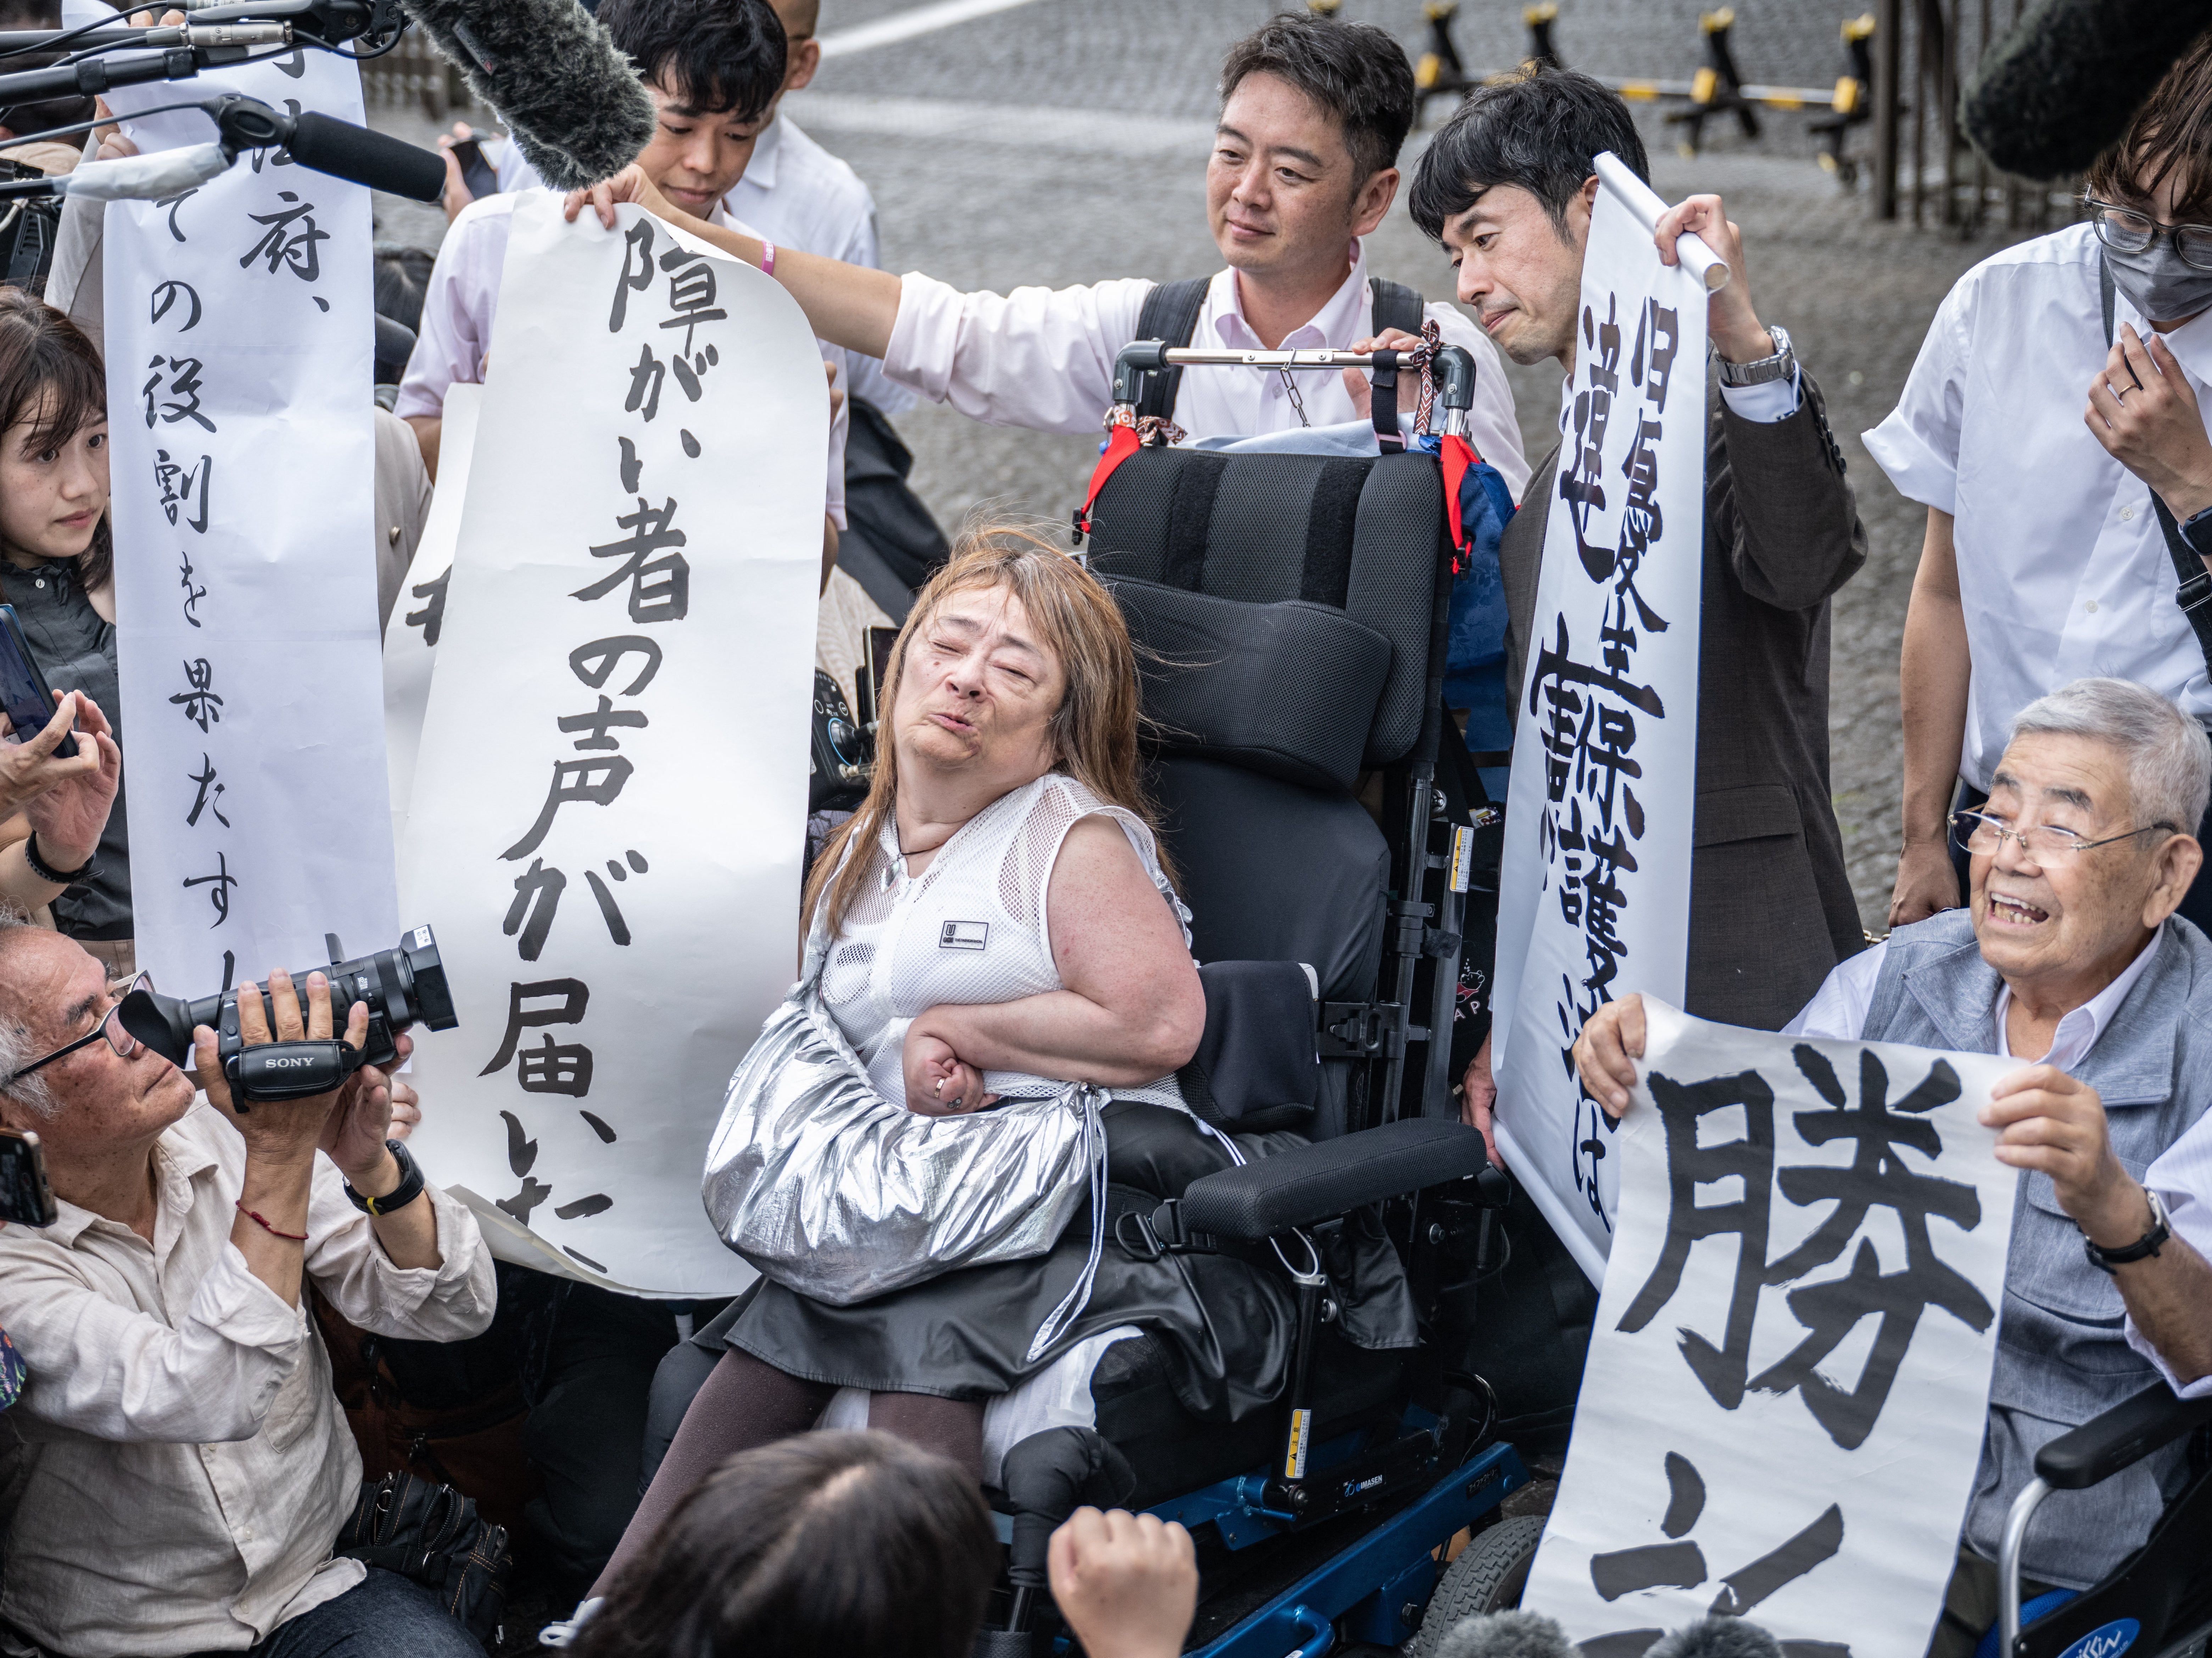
714,68
2046,446
1304,166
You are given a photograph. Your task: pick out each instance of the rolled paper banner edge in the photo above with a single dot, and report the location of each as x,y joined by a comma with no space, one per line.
1646,204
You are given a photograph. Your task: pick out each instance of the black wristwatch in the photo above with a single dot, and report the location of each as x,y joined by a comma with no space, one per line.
409,1187
2197,531
45,871
2148,1244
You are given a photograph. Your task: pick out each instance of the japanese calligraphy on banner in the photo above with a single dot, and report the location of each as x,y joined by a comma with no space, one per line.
411,644
239,342
608,805
1783,1408
1596,894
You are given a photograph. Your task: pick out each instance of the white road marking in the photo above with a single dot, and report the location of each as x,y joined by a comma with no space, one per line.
905,24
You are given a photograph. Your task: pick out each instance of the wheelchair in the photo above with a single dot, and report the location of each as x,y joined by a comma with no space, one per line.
2155,1604
1288,612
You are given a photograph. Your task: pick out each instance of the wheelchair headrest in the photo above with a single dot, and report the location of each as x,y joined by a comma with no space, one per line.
1287,690
1365,537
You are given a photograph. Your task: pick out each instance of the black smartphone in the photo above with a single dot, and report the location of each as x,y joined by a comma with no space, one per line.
24,696
476,172
25,1197
874,666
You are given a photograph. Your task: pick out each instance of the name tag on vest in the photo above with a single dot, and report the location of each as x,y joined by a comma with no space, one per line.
963,935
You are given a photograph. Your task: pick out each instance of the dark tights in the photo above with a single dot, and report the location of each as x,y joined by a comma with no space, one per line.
747,1402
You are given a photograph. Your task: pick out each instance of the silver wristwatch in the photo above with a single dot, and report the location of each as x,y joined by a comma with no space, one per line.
1761,371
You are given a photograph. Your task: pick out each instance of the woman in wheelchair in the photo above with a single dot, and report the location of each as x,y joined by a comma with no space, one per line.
995,923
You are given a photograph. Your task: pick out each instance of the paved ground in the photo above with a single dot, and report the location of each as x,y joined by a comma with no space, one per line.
1064,140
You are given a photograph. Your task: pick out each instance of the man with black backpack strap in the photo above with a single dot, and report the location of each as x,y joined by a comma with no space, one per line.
2054,427
1304,165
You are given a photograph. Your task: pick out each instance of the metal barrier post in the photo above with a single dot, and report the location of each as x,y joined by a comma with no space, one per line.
1889,60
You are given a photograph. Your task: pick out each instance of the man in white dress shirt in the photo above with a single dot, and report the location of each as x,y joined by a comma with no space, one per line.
2072,960
181,1469
1304,166
714,68
2045,557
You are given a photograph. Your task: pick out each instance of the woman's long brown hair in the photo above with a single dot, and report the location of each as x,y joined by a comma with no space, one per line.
51,373
1094,731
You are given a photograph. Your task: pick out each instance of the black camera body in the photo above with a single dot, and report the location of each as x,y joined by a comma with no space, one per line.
401,987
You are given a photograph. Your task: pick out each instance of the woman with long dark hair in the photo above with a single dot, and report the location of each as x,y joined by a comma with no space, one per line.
66,846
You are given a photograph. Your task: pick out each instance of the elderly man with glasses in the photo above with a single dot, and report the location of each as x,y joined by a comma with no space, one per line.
2054,427
184,1468
2071,959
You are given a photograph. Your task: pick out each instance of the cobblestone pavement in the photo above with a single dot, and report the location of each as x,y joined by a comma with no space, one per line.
1064,140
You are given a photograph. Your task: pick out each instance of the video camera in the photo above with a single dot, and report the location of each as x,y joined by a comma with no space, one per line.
400,986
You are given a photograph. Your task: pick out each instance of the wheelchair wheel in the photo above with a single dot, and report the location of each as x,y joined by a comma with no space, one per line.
1488,1576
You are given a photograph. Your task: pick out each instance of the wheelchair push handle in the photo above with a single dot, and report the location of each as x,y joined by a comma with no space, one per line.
1453,370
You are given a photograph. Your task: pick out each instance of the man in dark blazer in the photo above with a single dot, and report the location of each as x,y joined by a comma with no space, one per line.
1507,188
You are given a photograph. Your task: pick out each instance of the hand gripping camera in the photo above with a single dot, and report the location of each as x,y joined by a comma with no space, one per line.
399,986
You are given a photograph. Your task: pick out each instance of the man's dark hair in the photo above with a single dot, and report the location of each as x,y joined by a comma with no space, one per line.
823,1543
1539,130
1356,71
2171,133
719,56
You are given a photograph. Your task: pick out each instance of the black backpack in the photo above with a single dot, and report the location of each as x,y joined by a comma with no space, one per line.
1171,311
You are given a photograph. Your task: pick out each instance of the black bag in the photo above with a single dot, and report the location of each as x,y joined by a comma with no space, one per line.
431,1534
891,545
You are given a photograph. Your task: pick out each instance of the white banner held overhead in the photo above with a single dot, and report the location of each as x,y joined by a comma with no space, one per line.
1788,1375
239,343
1595,893
609,807
418,616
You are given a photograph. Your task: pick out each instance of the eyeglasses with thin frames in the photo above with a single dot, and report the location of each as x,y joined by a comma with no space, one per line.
110,1027
1979,833
2124,230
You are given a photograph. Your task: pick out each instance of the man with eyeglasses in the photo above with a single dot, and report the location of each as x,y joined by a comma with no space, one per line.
184,1468
2054,427
2071,959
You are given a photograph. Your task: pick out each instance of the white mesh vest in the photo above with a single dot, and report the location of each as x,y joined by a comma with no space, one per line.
971,928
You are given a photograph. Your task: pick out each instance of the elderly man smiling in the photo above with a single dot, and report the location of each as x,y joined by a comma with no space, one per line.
2071,960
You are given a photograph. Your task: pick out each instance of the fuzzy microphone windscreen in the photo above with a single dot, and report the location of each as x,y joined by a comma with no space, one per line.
2063,85
575,103
1505,1634
1717,1637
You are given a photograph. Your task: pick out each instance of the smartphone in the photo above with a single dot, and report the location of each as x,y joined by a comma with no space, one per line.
476,172
24,696
875,664
25,1197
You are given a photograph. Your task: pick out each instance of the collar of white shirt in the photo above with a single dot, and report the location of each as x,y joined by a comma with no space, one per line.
760,166
1338,320
2078,1031
2190,343
179,1157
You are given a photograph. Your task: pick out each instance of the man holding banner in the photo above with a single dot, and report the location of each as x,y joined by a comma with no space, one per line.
1770,909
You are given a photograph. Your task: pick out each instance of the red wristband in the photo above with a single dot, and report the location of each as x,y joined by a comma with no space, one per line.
263,1222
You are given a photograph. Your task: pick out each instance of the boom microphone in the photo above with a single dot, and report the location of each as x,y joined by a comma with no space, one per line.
2065,82
1719,1637
355,153
574,102
1505,1634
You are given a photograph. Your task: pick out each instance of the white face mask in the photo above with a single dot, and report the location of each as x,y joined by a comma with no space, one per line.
2159,284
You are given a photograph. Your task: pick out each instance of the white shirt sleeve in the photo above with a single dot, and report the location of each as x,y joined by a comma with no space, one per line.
449,1301
1491,423
1918,445
2182,1177
1776,400
841,423
1038,357
457,305
1838,1011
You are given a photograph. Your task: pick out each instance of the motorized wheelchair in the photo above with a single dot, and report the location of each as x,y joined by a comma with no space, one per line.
1290,612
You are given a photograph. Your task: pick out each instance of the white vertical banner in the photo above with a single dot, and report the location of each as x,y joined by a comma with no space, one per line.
239,341
418,616
1595,893
608,814
1782,1410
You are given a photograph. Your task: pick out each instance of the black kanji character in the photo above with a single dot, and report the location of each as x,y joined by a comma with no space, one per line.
192,595
1681,1565
645,380
603,655
283,247
184,486
660,588
218,886
598,722
165,296
575,997
636,273
184,378
201,705
574,781
537,895
691,292
432,615
175,203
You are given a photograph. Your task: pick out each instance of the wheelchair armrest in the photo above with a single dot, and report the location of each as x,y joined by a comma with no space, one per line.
1312,1183
2104,1444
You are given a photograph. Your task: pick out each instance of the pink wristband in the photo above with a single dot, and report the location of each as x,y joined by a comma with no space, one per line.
768,259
